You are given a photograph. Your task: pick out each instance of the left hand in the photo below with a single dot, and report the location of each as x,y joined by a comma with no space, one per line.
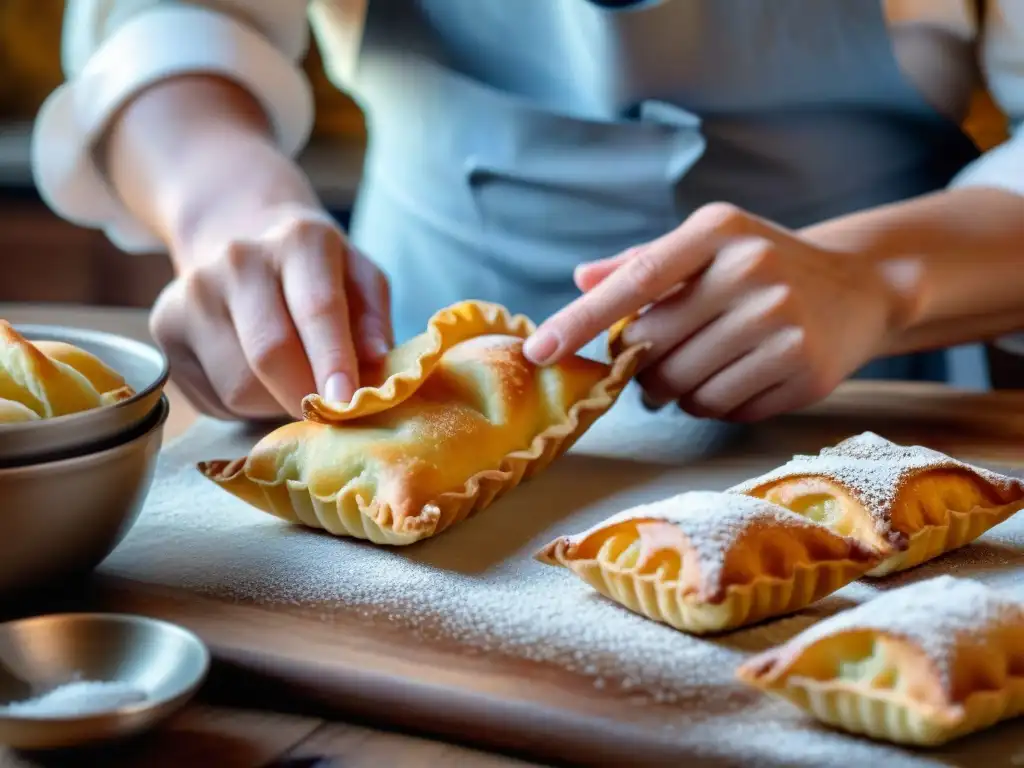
745,319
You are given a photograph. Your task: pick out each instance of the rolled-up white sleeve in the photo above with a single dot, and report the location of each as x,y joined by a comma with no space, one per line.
1002,62
113,49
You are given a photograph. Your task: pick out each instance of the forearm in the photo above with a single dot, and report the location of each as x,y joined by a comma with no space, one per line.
196,151
954,261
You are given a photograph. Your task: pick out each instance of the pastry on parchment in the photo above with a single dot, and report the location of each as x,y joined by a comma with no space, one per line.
920,665
45,379
707,562
912,502
451,420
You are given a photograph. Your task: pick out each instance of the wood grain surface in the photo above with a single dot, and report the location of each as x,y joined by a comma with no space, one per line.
251,731
205,736
333,661
293,660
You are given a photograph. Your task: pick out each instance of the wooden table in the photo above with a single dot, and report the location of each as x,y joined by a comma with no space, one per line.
209,733
226,736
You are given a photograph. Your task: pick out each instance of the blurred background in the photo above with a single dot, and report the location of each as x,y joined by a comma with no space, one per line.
47,260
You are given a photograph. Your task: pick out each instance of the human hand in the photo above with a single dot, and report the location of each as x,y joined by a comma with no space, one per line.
267,317
745,319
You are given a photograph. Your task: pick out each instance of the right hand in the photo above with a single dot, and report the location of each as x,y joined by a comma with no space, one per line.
260,321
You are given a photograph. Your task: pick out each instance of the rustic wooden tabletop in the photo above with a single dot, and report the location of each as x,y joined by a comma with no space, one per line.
256,734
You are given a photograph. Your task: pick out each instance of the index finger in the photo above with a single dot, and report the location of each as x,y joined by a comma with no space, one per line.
314,284
638,282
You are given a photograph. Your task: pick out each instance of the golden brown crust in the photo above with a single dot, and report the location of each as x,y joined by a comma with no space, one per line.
910,501
13,413
103,378
52,378
923,664
704,561
408,365
461,429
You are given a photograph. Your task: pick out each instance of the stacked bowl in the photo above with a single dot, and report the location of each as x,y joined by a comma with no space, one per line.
72,485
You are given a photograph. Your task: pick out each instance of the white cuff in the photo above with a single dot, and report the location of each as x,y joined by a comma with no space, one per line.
1001,167
154,45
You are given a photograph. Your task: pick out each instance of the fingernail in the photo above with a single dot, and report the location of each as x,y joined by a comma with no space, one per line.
377,346
581,276
338,388
541,347
651,404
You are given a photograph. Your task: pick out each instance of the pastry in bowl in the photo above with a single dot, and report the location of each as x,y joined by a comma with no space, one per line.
46,379
920,665
707,562
911,502
448,422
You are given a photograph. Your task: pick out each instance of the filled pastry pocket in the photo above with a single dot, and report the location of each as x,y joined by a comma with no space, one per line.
450,421
920,665
911,502
46,379
707,562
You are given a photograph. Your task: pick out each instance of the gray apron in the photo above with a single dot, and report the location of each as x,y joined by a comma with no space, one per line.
513,139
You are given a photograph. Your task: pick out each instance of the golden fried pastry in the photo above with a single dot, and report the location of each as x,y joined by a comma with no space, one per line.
911,502
104,379
12,412
450,421
707,562
920,665
48,379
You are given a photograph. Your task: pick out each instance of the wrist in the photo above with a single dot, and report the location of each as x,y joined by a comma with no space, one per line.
901,281
193,157
894,281
254,186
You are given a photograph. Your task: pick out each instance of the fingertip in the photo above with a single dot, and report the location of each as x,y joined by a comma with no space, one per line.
374,339
375,347
339,388
579,276
542,347
652,404
584,277
589,275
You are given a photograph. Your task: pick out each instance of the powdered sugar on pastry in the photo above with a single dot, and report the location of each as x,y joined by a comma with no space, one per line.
478,590
712,524
943,616
875,470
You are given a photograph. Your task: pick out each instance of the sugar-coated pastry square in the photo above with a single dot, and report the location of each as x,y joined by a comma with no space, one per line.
920,665
707,562
445,424
909,501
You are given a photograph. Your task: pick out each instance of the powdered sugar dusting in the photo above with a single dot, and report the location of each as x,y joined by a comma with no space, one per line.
478,583
713,523
79,698
874,470
940,616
